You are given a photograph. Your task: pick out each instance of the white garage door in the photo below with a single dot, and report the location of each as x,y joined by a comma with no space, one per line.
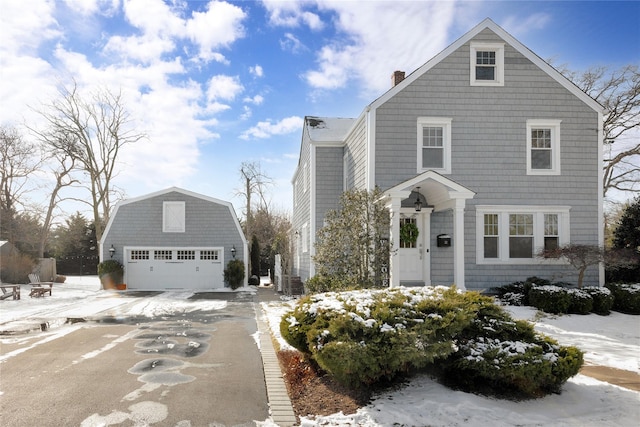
174,268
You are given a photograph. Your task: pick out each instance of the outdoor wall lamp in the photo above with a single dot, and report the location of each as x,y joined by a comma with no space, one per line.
418,203
112,251
233,251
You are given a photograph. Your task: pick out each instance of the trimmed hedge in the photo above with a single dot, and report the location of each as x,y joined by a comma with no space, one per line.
549,298
561,297
626,297
365,337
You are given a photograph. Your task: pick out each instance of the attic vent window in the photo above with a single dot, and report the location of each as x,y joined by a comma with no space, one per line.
487,64
173,217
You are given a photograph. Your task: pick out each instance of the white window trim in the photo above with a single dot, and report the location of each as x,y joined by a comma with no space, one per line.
538,213
173,205
554,125
445,123
498,48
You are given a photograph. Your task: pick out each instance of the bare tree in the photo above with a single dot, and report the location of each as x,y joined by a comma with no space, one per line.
254,181
94,130
65,165
18,160
619,93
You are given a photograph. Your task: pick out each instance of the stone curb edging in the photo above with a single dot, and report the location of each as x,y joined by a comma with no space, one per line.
279,403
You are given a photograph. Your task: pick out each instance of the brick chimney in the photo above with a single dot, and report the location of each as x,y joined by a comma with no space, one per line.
397,77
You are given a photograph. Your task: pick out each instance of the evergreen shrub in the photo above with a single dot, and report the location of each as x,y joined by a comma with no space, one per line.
626,297
581,301
550,299
111,273
602,299
234,273
365,337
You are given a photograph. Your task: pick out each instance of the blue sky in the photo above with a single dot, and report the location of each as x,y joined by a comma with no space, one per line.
216,83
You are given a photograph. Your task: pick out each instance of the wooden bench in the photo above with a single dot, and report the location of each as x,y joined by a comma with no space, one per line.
9,291
39,288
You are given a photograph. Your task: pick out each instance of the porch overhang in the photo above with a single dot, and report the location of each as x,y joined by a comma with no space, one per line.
443,194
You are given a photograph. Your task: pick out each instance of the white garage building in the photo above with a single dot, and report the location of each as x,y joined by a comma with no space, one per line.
174,239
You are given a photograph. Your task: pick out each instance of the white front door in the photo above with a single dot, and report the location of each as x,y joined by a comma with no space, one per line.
413,252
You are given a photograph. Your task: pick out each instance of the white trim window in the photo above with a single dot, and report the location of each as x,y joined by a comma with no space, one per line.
173,217
543,147
514,234
486,64
434,144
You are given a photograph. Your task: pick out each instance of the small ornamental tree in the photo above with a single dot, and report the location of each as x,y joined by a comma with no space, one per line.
581,257
352,249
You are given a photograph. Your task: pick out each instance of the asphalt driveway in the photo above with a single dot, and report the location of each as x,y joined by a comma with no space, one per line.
194,369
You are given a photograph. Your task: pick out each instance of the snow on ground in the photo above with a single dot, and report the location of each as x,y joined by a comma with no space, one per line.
612,341
606,340
81,296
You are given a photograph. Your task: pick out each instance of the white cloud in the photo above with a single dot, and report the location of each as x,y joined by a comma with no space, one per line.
90,7
219,26
379,30
292,44
257,71
291,14
247,112
23,28
145,48
517,26
256,100
267,128
224,87
154,17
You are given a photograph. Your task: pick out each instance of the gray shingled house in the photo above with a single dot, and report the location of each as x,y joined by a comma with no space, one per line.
174,239
501,151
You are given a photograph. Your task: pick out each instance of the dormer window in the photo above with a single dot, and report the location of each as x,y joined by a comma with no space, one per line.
487,64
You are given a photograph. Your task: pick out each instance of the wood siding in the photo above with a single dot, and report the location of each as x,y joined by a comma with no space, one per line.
207,224
356,156
489,150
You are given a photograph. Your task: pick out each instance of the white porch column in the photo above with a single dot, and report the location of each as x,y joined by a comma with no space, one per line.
458,243
394,260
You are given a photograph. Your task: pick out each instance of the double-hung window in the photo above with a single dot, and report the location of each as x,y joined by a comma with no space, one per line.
434,144
487,64
543,147
515,234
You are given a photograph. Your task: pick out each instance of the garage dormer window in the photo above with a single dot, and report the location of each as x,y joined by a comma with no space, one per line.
173,217
487,64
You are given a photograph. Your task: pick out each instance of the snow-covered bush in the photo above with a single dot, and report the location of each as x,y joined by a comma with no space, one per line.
507,293
507,358
602,299
363,337
581,301
513,298
626,297
550,298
